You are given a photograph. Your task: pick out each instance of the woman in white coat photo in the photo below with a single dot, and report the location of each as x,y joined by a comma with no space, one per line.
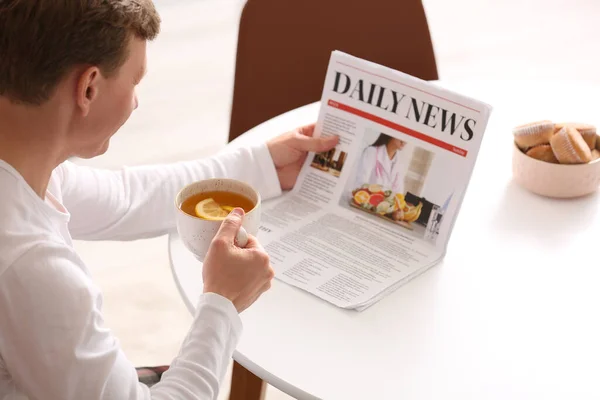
384,163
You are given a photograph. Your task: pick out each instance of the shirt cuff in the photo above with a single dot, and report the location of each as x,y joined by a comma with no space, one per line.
271,186
226,306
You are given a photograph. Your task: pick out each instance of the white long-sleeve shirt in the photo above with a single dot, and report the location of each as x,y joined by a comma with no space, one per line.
54,343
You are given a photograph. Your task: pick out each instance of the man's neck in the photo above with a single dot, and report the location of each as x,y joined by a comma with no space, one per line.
30,141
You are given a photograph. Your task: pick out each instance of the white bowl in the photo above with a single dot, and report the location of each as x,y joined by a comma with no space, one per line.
555,180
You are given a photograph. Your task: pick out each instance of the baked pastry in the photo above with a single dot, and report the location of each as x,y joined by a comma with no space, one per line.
543,152
595,154
587,131
589,135
569,147
533,134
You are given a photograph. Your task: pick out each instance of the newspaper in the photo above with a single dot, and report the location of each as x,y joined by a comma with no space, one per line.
378,210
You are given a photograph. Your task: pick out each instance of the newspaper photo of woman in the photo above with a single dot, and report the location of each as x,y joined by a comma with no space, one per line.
384,162
379,186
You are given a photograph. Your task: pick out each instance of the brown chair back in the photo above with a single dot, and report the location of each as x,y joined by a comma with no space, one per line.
284,48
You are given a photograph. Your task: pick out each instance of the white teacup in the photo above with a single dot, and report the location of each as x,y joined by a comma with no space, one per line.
197,233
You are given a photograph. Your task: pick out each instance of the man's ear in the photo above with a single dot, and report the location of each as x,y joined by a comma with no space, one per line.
87,89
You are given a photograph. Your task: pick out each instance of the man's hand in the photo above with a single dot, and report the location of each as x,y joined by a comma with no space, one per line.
240,275
290,149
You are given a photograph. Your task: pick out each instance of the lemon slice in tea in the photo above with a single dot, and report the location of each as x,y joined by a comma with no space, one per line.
210,210
227,208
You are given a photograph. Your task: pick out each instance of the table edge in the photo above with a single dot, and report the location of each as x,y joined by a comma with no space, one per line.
263,374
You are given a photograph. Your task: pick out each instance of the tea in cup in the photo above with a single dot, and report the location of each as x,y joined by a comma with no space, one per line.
202,206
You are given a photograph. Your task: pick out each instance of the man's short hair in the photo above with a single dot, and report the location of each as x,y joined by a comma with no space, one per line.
42,40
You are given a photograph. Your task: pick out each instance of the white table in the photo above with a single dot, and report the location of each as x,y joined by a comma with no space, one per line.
511,313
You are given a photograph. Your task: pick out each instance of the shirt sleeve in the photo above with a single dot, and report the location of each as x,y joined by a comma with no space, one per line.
55,345
139,202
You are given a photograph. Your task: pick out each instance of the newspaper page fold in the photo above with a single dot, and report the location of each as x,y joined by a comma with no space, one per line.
378,210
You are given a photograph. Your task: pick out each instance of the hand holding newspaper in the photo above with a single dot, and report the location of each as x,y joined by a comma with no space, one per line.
378,210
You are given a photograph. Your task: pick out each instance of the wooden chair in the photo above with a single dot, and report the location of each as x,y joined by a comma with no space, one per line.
282,56
284,48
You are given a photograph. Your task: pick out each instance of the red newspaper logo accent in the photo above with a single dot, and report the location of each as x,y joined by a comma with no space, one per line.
399,128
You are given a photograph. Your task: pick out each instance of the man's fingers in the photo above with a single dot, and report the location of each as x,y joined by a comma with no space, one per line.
317,145
266,287
231,225
253,243
307,130
262,290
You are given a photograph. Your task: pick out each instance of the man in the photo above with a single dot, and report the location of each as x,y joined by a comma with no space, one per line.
68,72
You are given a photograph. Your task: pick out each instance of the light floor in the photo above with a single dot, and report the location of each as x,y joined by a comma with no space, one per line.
184,114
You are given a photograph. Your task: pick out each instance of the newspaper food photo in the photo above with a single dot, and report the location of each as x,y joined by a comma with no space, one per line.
389,181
